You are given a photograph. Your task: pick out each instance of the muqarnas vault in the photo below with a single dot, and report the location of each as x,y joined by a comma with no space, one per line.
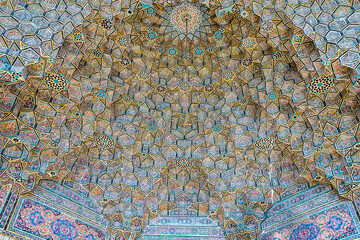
191,120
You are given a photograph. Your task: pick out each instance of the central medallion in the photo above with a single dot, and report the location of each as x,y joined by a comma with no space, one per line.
186,18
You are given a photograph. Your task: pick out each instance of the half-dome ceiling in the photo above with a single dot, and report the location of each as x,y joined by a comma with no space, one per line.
140,113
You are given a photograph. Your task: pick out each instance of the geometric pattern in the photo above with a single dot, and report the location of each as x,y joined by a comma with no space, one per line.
117,115
186,226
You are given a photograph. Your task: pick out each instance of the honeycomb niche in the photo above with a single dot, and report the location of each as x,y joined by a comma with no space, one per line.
190,120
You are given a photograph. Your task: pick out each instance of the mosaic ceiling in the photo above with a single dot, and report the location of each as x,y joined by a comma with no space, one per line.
182,119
